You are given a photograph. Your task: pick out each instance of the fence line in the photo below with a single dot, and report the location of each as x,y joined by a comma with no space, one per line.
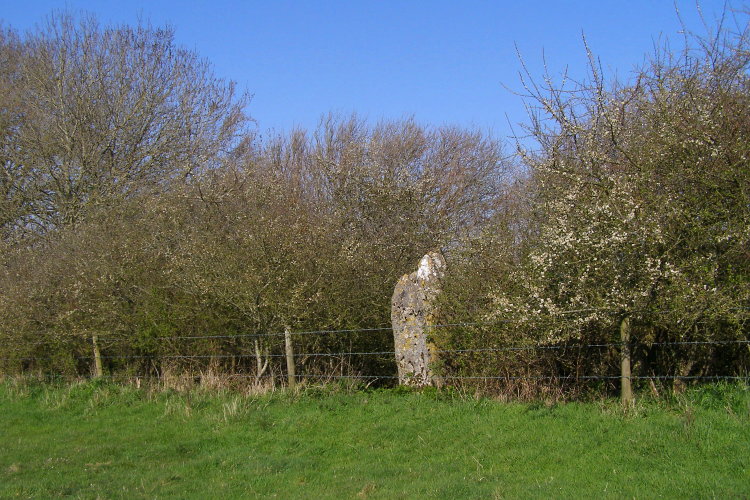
496,322
507,348
447,351
444,378
279,334
77,343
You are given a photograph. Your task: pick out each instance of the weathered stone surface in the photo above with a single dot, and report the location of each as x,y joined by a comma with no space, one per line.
412,310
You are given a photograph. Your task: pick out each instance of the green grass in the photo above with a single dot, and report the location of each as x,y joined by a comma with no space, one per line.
98,440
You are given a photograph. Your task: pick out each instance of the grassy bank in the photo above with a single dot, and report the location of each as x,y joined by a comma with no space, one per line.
98,440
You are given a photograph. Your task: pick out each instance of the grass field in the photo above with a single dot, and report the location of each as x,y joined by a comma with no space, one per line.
96,440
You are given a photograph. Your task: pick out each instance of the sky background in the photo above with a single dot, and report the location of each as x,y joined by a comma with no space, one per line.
442,62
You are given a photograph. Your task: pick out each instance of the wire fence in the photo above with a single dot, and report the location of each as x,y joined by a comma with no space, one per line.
452,377
279,372
562,316
506,348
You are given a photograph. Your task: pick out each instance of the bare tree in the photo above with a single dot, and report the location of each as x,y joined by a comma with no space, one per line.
110,111
15,178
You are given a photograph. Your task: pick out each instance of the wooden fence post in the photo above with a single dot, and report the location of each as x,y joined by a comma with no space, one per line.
98,372
626,388
291,375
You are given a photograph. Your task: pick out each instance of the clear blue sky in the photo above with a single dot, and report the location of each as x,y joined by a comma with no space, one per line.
444,62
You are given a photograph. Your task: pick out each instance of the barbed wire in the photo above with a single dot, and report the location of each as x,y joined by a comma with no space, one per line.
226,336
299,333
222,354
275,334
507,348
496,322
284,376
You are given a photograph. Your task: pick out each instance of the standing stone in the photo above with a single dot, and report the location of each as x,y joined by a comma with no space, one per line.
412,311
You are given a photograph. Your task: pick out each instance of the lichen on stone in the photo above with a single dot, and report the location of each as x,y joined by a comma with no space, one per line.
412,309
